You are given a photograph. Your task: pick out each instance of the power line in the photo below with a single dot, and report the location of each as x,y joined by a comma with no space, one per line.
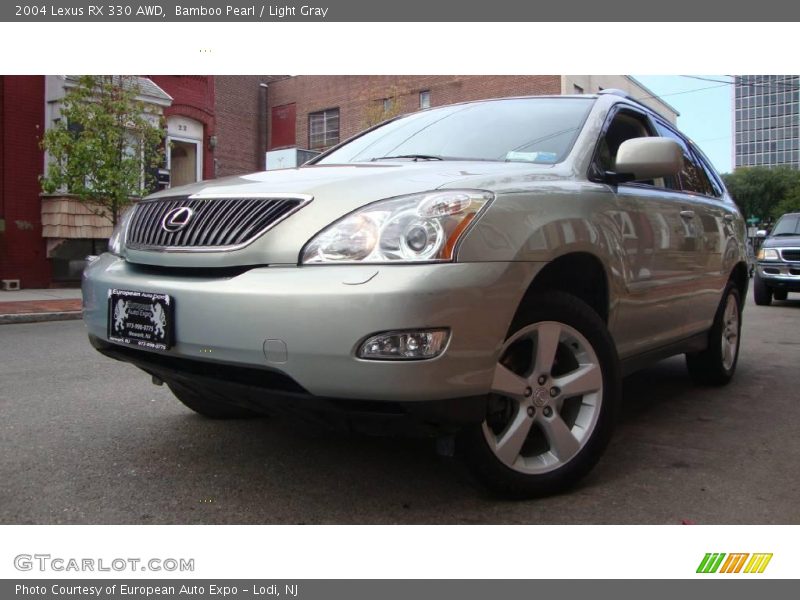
738,80
709,79
724,84
656,96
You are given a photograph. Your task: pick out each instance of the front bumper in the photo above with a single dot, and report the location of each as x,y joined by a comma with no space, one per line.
780,275
320,313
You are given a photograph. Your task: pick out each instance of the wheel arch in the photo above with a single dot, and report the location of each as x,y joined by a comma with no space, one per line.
740,278
578,273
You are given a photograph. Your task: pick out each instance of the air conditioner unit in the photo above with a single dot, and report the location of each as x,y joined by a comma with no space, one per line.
288,158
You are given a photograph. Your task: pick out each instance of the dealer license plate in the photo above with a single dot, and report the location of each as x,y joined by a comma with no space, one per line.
142,319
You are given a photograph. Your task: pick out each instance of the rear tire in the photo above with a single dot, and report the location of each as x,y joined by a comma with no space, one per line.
717,363
209,405
761,291
553,404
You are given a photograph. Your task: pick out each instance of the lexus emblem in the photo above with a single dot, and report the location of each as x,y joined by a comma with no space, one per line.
177,219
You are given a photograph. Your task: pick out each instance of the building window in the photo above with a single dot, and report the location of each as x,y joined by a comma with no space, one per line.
425,99
576,89
323,129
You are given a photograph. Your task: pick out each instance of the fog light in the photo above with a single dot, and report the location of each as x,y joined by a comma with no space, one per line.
405,345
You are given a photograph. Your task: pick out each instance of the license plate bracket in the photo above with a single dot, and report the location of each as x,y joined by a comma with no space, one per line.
142,319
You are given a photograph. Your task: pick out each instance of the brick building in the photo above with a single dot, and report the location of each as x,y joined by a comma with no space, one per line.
215,127
218,126
22,247
316,112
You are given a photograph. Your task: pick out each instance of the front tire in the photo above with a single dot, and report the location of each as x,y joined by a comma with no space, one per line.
780,294
761,291
716,364
553,402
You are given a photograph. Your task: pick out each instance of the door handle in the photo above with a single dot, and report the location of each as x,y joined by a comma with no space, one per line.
687,214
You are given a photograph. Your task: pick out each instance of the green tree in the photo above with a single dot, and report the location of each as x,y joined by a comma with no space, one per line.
106,147
791,203
382,109
762,191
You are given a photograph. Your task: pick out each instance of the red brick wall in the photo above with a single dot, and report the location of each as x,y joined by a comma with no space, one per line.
357,96
239,124
193,97
22,247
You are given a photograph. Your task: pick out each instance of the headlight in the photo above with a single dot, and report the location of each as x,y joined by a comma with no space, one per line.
768,254
117,240
417,228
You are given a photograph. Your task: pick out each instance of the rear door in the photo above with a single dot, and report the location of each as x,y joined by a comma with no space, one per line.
708,224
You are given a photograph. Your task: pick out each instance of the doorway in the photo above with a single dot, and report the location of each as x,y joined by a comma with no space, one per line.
183,162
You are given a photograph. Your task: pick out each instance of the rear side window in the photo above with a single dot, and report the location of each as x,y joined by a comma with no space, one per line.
716,186
693,177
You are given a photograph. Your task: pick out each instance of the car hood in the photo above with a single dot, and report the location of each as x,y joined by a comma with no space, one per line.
366,181
337,190
782,241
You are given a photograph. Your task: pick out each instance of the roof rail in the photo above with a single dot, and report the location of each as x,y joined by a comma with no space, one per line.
627,96
615,92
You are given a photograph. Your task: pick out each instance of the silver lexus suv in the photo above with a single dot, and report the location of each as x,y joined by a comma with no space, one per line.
486,272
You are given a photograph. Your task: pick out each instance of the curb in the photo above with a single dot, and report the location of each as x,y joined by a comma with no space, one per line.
40,317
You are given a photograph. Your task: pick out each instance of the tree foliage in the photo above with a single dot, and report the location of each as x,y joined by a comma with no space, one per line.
387,107
764,192
106,147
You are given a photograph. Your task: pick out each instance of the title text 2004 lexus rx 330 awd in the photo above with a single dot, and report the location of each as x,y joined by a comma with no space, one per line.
487,271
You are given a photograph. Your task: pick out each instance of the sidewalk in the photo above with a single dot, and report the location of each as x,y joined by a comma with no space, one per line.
32,306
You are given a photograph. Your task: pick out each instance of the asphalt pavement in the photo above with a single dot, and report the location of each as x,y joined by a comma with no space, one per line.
85,439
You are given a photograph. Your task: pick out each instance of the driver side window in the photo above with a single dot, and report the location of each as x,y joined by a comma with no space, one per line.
625,125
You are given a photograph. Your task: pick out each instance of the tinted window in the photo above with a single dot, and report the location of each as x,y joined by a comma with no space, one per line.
692,177
536,130
716,186
625,125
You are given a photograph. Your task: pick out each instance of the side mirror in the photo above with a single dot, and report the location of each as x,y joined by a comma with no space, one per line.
649,158
761,233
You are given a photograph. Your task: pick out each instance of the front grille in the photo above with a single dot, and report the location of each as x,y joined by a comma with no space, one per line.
215,223
793,254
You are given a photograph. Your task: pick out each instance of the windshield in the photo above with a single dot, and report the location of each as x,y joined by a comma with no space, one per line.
534,130
787,225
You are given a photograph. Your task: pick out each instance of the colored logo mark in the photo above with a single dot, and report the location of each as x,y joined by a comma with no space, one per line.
719,562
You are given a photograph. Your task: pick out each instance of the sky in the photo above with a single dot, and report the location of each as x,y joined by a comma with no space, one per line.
705,111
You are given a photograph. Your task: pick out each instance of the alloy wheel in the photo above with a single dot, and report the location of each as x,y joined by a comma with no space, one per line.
545,400
730,333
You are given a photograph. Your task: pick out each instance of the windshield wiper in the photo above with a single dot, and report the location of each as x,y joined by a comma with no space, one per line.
785,233
414,157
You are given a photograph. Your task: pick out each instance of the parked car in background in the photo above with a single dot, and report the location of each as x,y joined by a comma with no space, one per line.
487,271
778,268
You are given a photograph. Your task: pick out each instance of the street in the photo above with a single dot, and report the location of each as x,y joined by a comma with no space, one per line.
87,440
